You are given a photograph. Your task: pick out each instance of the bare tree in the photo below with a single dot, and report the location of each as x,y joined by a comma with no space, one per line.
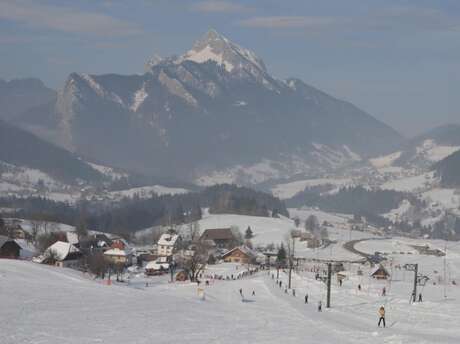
35,229
97,264
81,230
311,223
194,231
297,221
194,261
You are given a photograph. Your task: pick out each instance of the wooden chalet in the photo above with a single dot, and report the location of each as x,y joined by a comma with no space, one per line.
379,272
240,254
222,237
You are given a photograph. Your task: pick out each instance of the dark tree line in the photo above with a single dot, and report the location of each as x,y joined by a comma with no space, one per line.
353,200
131,214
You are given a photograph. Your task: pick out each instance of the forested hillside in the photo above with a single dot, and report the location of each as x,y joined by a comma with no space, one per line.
21,148
133,214
449,170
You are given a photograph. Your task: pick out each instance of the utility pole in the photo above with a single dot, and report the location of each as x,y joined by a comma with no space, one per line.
329,274
291,257
445,280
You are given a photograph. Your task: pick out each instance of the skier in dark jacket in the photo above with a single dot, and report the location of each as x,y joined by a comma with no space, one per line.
306,298
382,316
320,306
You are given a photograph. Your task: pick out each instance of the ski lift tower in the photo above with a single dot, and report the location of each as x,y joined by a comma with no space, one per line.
414,268
327,279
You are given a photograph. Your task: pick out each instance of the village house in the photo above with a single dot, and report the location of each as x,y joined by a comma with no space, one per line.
168,244
240,254
61,254
118,256
9,248
118,242
222,237
379,272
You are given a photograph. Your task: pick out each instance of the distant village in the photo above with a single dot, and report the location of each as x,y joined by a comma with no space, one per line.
182,255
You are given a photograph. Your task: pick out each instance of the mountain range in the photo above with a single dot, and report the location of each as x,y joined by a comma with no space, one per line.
448,170
19,148
425,150
213,112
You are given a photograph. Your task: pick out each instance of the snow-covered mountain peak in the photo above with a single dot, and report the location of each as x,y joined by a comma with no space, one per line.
215,47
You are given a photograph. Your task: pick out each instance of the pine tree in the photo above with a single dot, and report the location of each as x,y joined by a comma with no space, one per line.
281,256
248,234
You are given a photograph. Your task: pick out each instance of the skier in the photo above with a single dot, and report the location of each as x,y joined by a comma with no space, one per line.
382,316
359,287
320,306
253,293
420,297
293,292
384,291
340,282
241,292
306,298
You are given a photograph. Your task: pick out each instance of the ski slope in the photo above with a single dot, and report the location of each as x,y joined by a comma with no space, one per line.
42,304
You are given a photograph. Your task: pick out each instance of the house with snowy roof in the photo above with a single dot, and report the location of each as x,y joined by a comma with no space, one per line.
156,267
60,253
168,244
9,248
240,254
379,272
118,256
222,237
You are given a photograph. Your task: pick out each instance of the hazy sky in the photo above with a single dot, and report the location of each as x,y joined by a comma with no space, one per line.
397,59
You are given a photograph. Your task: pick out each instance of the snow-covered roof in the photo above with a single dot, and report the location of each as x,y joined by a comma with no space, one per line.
72,237
246,250
116,252
62,249
154,265
377,268
167,239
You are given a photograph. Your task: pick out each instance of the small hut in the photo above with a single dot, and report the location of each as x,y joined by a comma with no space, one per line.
9,248
379,272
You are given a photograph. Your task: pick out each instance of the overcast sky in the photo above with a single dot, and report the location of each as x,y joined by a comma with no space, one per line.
397,59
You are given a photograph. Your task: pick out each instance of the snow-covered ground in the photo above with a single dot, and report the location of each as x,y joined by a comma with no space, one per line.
410,184
147,191
266,230
287,190
43,304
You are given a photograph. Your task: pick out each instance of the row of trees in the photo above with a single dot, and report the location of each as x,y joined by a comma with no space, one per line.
129,215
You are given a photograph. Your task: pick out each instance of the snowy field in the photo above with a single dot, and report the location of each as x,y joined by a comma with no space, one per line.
288,190
147,191
410,184
42,304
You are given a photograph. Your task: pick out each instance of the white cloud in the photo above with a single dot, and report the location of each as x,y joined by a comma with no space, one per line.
64,19
216,6
388,19
286,22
